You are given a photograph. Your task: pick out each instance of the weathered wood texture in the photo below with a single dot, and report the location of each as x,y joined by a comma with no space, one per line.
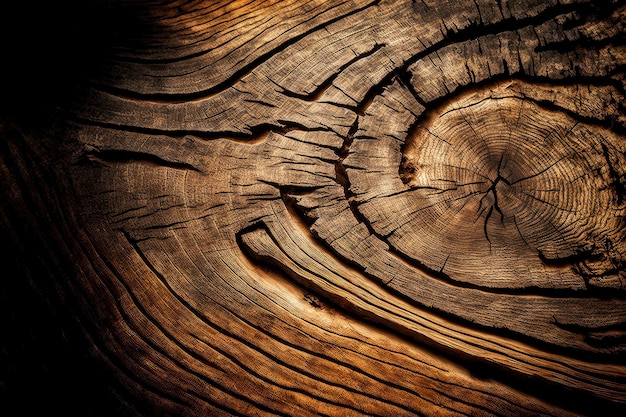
336,207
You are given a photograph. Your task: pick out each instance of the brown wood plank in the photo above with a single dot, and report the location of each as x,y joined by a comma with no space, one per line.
320,208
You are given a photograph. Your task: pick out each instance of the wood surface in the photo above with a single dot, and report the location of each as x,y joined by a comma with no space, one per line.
333,208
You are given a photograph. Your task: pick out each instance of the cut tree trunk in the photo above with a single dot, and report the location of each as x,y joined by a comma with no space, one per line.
318,208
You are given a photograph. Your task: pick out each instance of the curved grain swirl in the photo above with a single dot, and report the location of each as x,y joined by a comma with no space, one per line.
341,207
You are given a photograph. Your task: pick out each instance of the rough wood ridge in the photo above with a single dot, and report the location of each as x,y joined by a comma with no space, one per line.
339,207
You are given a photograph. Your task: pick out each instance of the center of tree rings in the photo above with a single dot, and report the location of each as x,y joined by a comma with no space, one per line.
501,191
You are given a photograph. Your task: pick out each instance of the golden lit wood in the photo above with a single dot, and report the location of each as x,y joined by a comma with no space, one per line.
341,207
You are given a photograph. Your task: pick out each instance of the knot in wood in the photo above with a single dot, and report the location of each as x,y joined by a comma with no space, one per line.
499,185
